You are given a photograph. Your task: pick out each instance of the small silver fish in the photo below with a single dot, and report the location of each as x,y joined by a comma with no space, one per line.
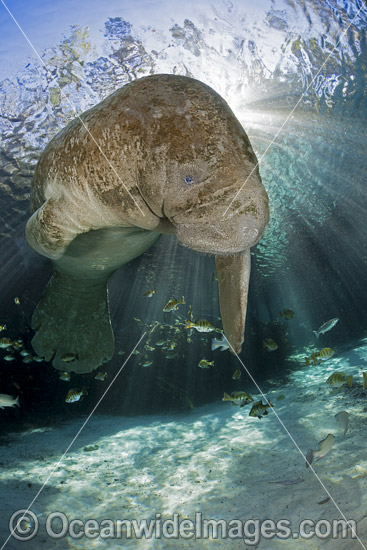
221,344
326,327
325,446
8,401
65,376
342,419
68,357
288,481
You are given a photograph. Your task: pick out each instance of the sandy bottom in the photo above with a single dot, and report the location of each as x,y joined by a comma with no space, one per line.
215,460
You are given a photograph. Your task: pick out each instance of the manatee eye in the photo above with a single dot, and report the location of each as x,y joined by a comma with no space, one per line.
189,180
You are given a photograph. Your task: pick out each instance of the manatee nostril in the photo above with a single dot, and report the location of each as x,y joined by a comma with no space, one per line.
189,180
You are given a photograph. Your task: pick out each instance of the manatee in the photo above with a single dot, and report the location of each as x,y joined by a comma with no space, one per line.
163,154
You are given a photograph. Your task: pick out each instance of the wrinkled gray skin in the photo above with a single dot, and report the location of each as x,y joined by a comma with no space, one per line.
163,154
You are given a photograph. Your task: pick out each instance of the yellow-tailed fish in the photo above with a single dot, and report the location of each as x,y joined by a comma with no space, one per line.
147,364
314,359
2,327
200,325
325,446
287,314
189,313
65,376
9,358
149,293
5,343
237,374
338,379
240,398
258,409
171,345
18,344
75,394
270,344
148,347
325,354
100,376
174,304
204,364
16,301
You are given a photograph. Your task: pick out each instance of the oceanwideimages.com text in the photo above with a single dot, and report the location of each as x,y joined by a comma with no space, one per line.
24,525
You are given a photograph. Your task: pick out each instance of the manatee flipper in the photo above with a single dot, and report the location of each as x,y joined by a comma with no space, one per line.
51,228
73,317
233,274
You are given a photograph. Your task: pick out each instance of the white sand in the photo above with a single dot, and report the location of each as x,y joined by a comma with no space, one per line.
216,460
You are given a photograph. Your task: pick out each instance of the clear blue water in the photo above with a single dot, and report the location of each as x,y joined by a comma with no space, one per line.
294,72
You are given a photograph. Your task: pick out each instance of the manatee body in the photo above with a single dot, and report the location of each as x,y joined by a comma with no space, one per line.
163,154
